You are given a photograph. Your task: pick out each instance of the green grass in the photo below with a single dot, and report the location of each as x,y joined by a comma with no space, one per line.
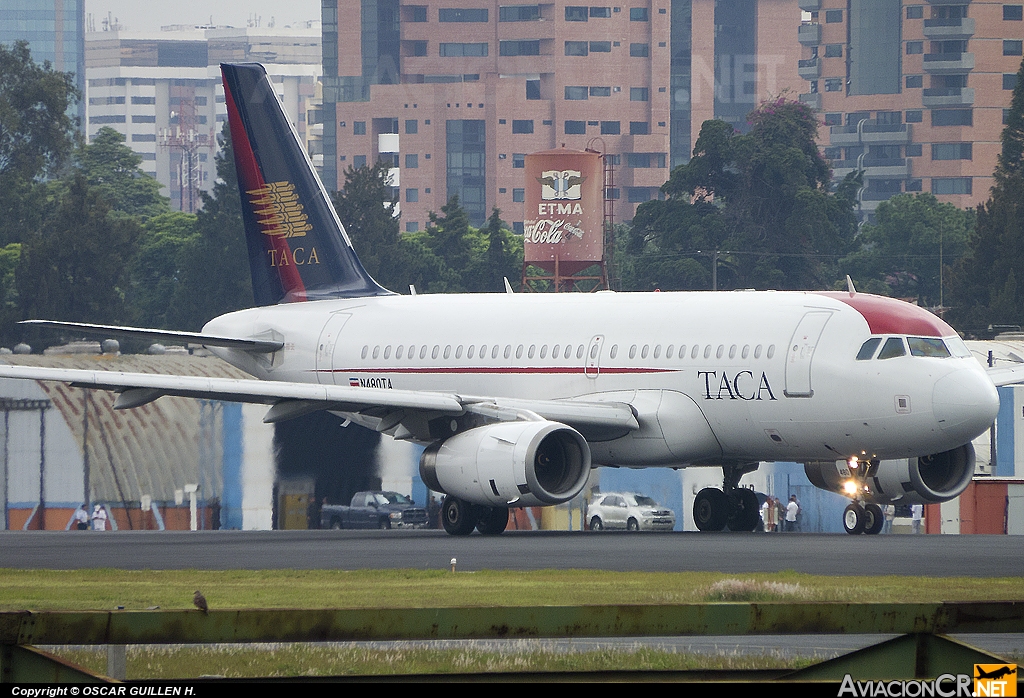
108,589
343,659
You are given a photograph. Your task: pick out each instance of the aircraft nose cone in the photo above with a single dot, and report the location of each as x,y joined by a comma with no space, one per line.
965,403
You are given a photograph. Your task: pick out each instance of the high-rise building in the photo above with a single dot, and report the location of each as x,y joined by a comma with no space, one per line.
914,93
455,93
163,91
55,31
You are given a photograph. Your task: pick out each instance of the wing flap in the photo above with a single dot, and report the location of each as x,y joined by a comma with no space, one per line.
1007,375
258,346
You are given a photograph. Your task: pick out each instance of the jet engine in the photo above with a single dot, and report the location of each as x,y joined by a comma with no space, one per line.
925,480
529,463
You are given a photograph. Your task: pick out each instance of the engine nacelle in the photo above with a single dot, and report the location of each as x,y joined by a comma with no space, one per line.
925,480
509,464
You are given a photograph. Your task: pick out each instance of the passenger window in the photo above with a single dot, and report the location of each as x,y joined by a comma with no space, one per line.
423,352
568,351
746,350
387,352
693,354
927,346
554,351
644,351
483,351
632,352
771,350
732,352
376,352
533,350
892,348
707,351
721,350
494,351
365,350
447,351
519,352
508,351
579,352
544,351
458,352
471,351
757,352
434,352
657,351
867,349
669,351
614,351
398,351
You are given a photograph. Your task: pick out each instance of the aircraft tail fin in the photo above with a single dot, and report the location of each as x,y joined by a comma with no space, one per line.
298,249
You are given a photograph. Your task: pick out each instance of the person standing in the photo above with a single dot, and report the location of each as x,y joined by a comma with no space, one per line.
99,518
889,511
81,518
916,516
792,511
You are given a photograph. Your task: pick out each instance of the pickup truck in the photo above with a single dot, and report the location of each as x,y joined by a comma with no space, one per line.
374,510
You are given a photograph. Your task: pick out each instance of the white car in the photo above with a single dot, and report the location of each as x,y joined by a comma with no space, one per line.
633,512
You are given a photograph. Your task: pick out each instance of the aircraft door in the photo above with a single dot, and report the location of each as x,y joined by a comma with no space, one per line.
592,360
801,353
325,347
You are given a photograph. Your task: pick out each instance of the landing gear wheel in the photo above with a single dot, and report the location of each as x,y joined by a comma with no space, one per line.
746,511
710,509
873,519
596,524
457,516
632,525
491,521
853,519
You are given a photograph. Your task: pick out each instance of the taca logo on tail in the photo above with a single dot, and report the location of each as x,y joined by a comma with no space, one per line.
298,249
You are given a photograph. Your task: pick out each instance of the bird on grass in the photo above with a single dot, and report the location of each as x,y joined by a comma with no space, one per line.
199,601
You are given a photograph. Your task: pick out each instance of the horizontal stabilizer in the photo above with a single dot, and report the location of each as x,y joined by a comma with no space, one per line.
258,346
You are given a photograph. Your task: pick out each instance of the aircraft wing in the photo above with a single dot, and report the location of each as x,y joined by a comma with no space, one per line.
258,346
377,408
1007,375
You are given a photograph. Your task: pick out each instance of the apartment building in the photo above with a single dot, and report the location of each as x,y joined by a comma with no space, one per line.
455,93
163,91
914,93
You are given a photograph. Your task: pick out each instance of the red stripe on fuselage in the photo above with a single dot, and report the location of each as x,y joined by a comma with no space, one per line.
891,316
486,369
249,173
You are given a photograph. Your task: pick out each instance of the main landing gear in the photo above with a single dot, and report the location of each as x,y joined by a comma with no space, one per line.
459,517
732,506
863,519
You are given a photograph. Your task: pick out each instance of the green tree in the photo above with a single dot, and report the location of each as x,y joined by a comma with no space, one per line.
75,266
215,275
36,136
902,248
114,168
449,235
494,257
987,283
764,196
366,207
157,270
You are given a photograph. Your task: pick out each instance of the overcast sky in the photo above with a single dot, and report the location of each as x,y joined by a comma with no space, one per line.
137,15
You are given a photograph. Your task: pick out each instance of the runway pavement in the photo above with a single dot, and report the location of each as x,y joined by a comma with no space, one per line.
828,554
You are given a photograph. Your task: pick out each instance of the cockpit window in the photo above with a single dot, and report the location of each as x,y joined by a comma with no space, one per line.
893,347
927,346
867,349
957,347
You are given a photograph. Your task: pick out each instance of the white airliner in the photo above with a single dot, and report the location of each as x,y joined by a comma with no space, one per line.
518,396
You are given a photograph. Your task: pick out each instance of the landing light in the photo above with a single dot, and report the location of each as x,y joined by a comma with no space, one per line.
850,488
854,462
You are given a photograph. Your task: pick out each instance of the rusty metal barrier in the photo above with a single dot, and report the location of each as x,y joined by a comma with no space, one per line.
921,651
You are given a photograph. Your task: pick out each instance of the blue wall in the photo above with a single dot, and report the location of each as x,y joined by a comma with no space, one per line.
231,468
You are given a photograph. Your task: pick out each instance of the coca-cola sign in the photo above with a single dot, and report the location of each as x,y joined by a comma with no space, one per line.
564,211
